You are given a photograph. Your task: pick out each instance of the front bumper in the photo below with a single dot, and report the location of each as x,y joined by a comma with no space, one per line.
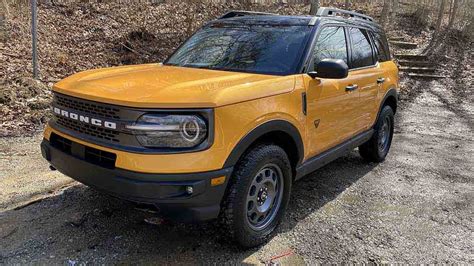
166,191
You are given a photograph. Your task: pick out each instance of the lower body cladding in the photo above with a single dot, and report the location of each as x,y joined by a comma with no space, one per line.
182,197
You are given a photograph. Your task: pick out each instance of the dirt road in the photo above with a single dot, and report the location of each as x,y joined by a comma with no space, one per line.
415,207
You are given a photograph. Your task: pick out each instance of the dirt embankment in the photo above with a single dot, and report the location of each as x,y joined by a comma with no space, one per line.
79,36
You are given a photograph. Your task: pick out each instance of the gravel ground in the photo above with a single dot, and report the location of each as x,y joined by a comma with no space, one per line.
416,207
24,175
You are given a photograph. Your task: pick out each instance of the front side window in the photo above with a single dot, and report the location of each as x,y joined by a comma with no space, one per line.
247,48
331,44
361,50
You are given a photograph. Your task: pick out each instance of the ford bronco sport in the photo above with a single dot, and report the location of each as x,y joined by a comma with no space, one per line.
247,105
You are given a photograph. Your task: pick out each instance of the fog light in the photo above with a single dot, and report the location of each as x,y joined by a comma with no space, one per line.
189,190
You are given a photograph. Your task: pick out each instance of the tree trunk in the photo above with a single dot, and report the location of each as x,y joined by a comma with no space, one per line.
385,12
440,17
450,10
393,11
7,10
421,10
439,22
314,7
452,16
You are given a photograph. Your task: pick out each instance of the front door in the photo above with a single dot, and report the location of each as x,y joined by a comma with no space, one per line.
331,103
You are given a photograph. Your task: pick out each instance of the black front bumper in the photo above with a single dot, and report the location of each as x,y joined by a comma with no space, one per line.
168,192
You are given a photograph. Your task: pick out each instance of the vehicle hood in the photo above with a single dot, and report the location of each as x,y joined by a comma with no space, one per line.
160,86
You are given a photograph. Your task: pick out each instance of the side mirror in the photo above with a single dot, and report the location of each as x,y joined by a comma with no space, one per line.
330,69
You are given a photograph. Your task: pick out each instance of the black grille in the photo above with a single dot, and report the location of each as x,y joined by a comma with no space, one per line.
87,107
98,157
94,122
91,155
91,130
60,143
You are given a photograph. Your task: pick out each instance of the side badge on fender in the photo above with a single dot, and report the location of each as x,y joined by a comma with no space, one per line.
316,123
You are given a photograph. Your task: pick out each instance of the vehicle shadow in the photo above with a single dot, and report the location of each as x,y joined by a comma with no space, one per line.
83,225
315,190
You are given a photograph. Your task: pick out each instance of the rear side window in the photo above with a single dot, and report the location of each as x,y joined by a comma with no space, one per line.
331,44
361,50
381,47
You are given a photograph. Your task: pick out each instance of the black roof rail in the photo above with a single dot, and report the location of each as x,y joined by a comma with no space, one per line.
241,13
329,11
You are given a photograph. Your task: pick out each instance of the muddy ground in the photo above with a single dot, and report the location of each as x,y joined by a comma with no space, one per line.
416,207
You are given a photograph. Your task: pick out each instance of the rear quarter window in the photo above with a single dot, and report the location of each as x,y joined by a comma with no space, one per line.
381,46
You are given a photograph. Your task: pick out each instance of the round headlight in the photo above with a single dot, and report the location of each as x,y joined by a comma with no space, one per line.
190,130
169,131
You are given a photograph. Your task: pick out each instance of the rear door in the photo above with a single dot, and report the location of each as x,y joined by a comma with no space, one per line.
386,69
364,71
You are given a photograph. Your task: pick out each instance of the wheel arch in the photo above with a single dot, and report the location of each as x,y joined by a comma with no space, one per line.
279,132
390,99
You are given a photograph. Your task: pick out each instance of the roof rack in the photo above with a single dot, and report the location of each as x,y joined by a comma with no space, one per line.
241,13
329,11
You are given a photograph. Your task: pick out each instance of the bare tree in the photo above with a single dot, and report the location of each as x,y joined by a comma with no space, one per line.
314,7
440,18
468,20
385,12
436,34
453,13
394,9
422,12
7,9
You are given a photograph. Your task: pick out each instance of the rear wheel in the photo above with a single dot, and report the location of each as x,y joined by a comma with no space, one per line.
258,195
376,149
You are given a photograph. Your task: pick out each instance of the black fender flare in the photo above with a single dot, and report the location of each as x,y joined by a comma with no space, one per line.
392,92
267,127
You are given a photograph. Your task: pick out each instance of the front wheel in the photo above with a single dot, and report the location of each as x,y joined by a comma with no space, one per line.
258,195
376,149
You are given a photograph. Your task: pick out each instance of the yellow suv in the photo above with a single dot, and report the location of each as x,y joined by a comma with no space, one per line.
247,105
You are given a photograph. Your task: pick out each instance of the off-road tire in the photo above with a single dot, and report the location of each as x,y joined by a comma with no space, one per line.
233,216
371,150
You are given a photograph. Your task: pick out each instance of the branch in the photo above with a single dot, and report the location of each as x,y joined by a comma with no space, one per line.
133,51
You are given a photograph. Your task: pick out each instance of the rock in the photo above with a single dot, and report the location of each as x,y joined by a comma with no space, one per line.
78,219
5,95
38,103
154,220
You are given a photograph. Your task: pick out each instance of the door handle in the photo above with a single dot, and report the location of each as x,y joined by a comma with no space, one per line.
352,87
380,80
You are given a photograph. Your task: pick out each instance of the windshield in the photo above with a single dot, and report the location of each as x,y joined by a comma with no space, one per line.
246,48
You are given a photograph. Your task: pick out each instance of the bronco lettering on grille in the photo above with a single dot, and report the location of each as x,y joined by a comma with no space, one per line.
85,119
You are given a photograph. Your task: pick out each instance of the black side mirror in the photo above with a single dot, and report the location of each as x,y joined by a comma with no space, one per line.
330,69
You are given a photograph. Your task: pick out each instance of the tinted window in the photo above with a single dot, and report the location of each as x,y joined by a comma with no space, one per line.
331,44
361,48
381,47
247,48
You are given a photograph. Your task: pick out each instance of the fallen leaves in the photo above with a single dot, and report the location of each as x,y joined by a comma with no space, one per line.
76,36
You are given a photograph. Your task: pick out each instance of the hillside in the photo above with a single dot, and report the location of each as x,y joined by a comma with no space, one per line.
80,36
